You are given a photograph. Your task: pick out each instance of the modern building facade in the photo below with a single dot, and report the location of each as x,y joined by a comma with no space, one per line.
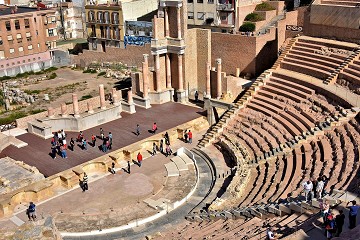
70,21
105,26
28,37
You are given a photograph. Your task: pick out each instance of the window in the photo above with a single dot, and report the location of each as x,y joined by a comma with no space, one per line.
23,61
53,19
8,26
28,36
211,1
17,24
38,47
37,33
27,23
18,35
30,47
223,17
190,15
34,19
11,50
200,1
51,32
21,49
2,55
200,15
190,1
210,15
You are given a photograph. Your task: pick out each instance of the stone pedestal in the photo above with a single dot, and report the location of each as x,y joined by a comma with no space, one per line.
181,96
102,96
64,110
75,105
90,107
209,111
142,102
51,112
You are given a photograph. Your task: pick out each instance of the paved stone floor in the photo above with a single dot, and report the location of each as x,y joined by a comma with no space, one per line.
166,116
111,200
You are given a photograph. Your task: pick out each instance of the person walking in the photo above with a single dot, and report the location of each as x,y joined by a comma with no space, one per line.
190,136
307,188
185,136
53,152
85,183
154,128
137,130
168,150
330,225
139,159
112,170
31,211
270,234
352,213
167,139
196,96
110,138
340,220
161,147
154,148
128,167
320,188
72,144
84,144
93,140
102,134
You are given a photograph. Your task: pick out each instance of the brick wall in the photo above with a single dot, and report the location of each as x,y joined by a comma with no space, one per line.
132,55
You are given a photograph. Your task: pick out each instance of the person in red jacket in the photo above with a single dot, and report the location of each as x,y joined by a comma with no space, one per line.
139,159
190,136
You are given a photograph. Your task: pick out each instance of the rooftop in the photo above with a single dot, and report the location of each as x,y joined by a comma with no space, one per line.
7,10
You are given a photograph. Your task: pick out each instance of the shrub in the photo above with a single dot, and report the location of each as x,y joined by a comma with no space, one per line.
30,92
101,74
52,76
254,17
89,71
247,27
264,6
5,78
12,117
86,97
35,111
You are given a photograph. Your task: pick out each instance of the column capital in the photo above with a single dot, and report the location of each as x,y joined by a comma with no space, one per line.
218,61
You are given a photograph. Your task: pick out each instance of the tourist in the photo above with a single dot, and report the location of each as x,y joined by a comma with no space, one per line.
168,150
330,225
63,152
72,144
93,140
190,136
84,183
196,96
314,182
80,136
339,219
56,137
154,149
270,234
64,143
128,167
319,188
102,134
325,180
53,152
167,139
31,211
154,128
53,142
63,134
137,130
84,144
307,187
161,147
112,170
325,208
139,159
185,136
352,213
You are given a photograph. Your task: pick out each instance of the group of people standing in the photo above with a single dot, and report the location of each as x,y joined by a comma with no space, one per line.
59,144
315,188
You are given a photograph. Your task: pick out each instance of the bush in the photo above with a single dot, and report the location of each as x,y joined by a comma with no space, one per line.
247,27
101,74
30,92
86,97
35,111
52,76
254,17
12,117
5,78
89,71
264,6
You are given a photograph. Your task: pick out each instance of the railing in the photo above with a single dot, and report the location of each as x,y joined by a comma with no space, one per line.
225,7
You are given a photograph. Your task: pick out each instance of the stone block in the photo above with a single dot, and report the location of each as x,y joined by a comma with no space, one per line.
296,207
284,209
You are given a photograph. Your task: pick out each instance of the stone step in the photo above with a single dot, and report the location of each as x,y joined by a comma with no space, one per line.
172,169
180,164
186,159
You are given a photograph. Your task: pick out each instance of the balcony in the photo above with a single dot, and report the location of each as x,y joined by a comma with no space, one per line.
225,7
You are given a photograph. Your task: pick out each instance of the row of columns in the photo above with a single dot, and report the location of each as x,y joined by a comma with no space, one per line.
166,20
75,102
218,79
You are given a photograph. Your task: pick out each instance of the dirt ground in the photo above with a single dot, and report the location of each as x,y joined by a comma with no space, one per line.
68,81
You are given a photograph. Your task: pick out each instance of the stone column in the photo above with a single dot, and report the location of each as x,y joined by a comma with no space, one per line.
218,77
166,19
237,74
102,96
115,96
51,112
75,105
157,72
178,22
208,84
180,72
130,97
145,68
90,107
155,27
168,71
63,110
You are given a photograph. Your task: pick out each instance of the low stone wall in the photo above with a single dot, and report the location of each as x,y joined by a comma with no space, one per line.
46,188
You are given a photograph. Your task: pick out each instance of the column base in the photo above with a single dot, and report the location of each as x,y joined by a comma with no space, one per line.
181,96
162,96
130,108
209,111
142,102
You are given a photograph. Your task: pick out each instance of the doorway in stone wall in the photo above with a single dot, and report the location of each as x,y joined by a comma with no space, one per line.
103,46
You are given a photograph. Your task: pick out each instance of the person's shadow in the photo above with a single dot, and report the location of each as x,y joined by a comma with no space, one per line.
125,170
136,162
